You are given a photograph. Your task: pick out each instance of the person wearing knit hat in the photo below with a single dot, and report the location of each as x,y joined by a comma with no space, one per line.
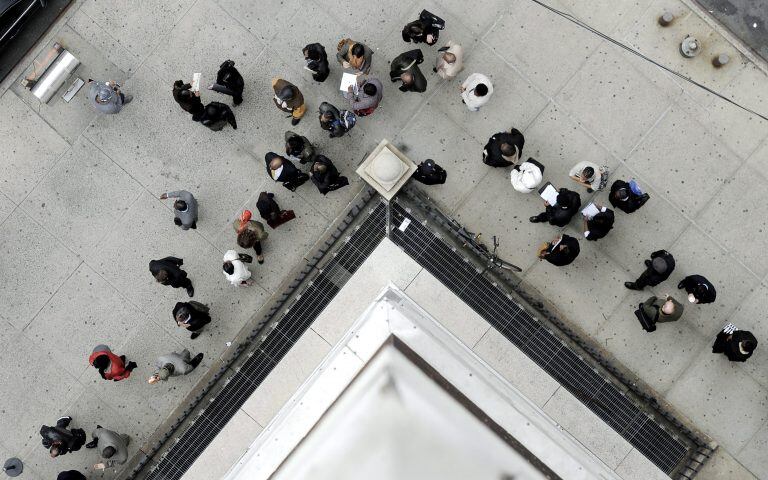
657,269
174,365
106,97
250,233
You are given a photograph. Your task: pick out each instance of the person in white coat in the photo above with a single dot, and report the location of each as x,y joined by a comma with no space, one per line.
527,176
476,91
235,270
450,60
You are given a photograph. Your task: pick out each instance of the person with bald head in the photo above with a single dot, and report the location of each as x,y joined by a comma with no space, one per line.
450,60
405,69
282,170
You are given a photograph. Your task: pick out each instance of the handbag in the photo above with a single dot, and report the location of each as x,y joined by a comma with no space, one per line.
245,258
647,324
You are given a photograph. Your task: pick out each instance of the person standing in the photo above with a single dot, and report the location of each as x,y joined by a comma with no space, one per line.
250,234
289,99
527,176
235,270
450,60
426,29
504,149
298,147
112,446
737,345
560,214
59,440
405,69
430,173
216,115
109,365
229,82
657,269
316,61
325,176
364,99
476,91
70,475
561,251
107,97
270,211
188,100
662,310
588,174
184,209
335,121
699,289
174,365
167,271
627,197
598,225
282,170
354,55
193,316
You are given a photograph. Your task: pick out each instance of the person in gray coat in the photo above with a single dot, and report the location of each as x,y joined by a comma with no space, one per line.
174,365
184,209
112,445
106,97
366,97
354,55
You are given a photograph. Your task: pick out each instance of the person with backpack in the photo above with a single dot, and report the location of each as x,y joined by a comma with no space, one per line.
430,173
336,121
229,82
627,196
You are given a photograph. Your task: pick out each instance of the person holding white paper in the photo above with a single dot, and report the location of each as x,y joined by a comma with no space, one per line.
365,96
598,221
561,251
527,176
559,214
589,175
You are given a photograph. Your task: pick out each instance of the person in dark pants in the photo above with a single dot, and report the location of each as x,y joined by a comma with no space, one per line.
504,149
174,365
325,176
298,147
167,272
184,209
336,121
561,251
430,173
229,82
59,440
216,115
699,289
109,365
657,269
737,345
424,30
598,225
317,61
568,203
626,199
282,170
70,475
289,99
193,316
270,211
405,69
250,234
662,310
188,100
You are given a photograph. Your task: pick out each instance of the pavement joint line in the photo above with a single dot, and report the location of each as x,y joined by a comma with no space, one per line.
32,319
248,30
107,32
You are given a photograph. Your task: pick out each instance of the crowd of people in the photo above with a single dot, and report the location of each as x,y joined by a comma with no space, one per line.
361,98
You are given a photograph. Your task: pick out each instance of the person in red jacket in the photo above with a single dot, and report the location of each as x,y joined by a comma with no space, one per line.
109,365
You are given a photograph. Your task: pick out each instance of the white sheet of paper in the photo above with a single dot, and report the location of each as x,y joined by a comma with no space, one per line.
196,82
348,79
590,210
549,193
404,225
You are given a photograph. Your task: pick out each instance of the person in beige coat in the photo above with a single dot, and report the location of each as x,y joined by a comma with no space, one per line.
450,60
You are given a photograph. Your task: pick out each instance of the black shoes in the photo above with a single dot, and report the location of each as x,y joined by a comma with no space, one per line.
631,286
648,263
194,335
680,286
295,121
196,360
92,443
191,291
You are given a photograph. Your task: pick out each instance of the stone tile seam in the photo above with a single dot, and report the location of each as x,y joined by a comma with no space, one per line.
244,27
107,32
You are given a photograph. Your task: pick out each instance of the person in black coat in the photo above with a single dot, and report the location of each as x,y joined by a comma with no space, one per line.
426,29
325,176
559,214
271,212
282,170
167,272
657,269
317,61
430,173
504,149
737,345
59,440
193,316
70,475
599,225
405,69
699,289
216,115
623,198
188,100
299,147
561,251
336,121
229,82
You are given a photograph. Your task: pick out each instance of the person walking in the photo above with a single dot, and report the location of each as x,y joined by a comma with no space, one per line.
109,365
504,149
476,91
70,475
325,176
298,147
598,225
657,269
364,98
167,271
184,209
627,197
289,99
60,440
405,68
174,365
660,310
354,55
450,60
527,176
193,316
335,121
561,251
282,170
560,214
316,61
188,100
229,82
588,174
270,211
699,289
216,115
737,345
235,270
426,29
107,97
250,234
113,447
